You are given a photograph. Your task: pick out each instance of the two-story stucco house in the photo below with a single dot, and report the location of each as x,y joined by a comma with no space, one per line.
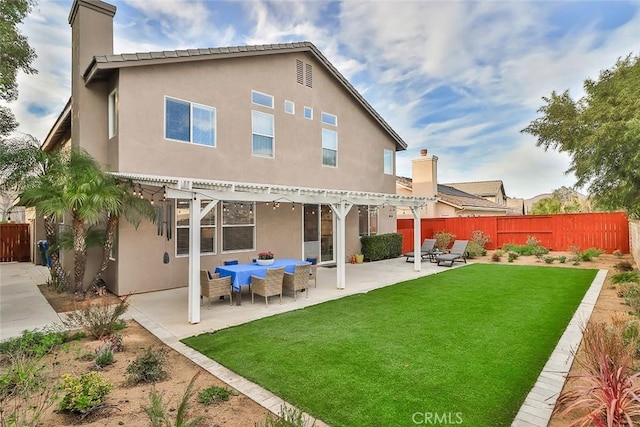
245,149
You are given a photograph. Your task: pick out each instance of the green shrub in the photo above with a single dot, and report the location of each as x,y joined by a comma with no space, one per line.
562,259
84,393
104,355
525,250
214,394
148,367
627,276
443,240
99,319
34,343
589,254
549,259
26,390
512,256
474,250
382,246
532,241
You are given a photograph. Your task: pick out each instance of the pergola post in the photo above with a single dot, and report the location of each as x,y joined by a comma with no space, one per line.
341,209
417,235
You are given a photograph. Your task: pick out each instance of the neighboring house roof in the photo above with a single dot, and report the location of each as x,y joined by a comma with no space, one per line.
480,188
516,205
101,67
59,129
466,200
456,197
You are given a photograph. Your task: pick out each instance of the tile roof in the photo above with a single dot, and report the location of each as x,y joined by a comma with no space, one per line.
456,197
480,188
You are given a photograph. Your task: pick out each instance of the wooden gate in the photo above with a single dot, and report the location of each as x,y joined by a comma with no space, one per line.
15,243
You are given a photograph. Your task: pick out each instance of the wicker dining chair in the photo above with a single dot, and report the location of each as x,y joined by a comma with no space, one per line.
298,280
215,287
313,270
269,285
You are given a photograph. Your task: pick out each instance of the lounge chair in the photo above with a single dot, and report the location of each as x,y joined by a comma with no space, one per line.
425,251
457,252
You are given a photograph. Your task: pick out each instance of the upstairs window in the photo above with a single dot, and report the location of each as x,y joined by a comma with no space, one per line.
308,113
329,119
262,99
262,134
388,162
367,220
113,114
189,122
329,147
289,107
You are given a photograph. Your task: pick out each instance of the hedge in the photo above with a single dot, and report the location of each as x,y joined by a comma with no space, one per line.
382,246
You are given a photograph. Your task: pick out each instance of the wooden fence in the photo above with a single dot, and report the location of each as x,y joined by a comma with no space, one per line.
607,231
14,243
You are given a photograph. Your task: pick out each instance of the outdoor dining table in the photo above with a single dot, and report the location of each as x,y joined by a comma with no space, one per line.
241,273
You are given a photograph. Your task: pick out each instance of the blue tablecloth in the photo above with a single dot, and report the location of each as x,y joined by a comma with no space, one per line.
241,273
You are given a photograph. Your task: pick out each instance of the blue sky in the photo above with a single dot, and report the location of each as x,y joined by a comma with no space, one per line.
460,78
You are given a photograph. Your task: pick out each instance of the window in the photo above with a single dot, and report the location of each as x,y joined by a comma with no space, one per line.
368,220
262,127
329,119
207,228
289,107
263,99
238,226
189,122
329,147
113,114
308,113
388,162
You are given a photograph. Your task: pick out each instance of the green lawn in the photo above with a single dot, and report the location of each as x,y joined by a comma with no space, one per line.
468,344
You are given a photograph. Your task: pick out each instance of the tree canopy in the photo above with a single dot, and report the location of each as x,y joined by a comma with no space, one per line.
15,55
601,133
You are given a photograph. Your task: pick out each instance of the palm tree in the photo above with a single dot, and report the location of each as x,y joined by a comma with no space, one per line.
134,210
23,165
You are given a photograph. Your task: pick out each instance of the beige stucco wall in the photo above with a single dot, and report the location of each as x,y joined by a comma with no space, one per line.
634,235
226,85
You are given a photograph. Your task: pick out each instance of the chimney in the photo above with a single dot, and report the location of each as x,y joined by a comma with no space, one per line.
424,174
91,35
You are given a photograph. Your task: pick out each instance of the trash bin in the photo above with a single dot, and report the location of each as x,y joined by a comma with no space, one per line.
43,246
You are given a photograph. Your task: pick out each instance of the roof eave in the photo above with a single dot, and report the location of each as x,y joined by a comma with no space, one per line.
62,123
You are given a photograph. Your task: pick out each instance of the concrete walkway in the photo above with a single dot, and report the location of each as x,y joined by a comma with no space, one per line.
22,306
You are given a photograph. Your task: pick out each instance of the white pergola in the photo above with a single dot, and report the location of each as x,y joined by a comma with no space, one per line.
340,202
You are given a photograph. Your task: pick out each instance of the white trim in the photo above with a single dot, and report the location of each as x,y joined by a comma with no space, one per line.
324,114
273,137
113,113
310,110
263,94
293,107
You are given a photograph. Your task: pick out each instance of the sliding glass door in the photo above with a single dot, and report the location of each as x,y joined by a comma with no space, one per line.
318,233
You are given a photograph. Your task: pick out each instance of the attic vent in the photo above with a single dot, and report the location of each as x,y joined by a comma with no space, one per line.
299,72
309,75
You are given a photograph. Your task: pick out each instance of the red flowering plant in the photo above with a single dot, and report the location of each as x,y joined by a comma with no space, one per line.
265,255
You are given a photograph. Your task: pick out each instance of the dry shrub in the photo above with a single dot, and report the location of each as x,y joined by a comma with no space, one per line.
608,388
100,319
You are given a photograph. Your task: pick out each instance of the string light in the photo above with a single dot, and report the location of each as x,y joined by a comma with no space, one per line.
164,193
